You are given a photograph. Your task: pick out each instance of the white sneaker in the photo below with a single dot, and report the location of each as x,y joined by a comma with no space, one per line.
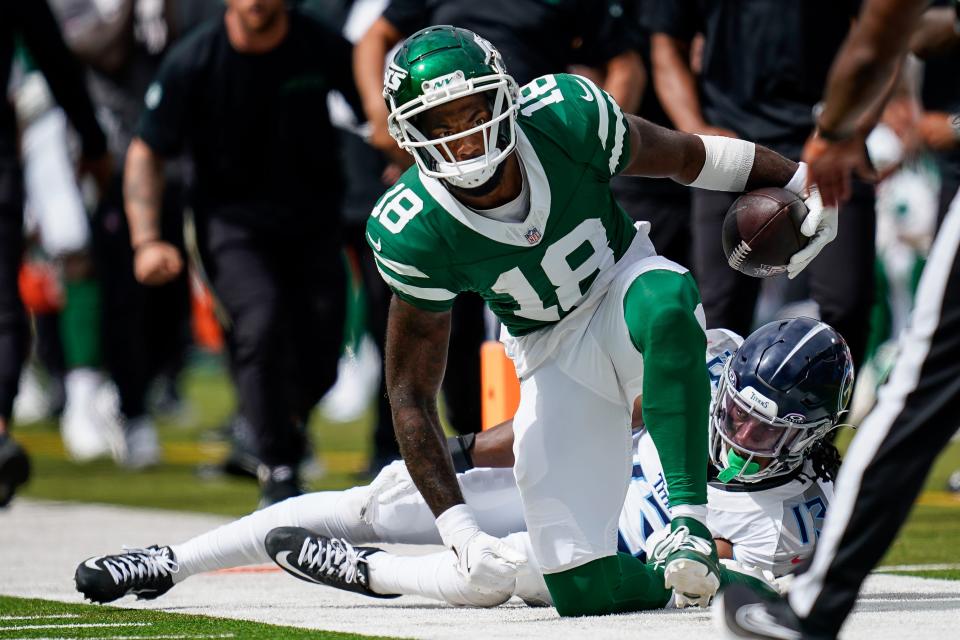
32,403
358,378
142,444
80,424
90,425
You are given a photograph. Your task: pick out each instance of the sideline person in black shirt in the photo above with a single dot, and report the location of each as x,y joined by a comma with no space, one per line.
939,127
246,97
33,22
764,68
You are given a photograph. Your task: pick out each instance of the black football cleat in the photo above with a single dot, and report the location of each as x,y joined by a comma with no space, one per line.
321,560
145,573
741,612
14,468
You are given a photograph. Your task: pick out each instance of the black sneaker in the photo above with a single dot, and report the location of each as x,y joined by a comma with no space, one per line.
744,613
321,560
14,468
145,573
277,484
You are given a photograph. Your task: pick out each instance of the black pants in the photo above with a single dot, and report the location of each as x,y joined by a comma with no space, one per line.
841,278
146,330
285,293
14,333
885,467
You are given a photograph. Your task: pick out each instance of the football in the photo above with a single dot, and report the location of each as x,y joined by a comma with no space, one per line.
762,230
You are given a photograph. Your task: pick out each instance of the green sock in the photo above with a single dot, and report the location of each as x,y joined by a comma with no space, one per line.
659,311
355,318
615,584
80,324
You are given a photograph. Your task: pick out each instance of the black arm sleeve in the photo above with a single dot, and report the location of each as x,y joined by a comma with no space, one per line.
63,73
407,16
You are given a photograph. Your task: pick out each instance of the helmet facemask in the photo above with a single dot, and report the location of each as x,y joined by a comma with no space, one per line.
433,156
750,442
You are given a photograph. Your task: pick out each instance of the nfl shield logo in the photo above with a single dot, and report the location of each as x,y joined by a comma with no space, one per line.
532,235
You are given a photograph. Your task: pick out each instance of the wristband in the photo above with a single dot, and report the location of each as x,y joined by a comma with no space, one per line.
832,136
798,182
460,448
726,165
955,124
826,134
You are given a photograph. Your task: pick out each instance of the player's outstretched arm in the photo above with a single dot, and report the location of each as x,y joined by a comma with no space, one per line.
725,164
707,162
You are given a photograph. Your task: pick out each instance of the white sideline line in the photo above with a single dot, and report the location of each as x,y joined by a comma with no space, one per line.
921,599
85,625
160,637
46,617
919,567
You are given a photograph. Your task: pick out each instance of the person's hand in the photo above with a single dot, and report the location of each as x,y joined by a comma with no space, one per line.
486,563
100,169
489,564
393,483
820,225
380,138
831,163
156,262
392,172
937,131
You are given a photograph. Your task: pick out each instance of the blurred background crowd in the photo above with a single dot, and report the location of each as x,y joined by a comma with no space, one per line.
183,180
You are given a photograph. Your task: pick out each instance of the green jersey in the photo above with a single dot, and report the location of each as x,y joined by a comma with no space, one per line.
571,139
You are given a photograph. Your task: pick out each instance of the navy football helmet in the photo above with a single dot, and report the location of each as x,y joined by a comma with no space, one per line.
785,388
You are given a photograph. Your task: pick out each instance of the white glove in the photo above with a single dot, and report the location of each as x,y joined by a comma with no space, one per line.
820,223
486,563
391,484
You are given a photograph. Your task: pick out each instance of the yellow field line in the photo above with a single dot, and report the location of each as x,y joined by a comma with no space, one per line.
192,453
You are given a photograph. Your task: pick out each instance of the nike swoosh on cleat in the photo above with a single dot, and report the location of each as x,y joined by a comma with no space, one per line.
281,559
91,563
756,619
375,244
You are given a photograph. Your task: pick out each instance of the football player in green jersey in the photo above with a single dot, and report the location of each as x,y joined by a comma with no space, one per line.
510,198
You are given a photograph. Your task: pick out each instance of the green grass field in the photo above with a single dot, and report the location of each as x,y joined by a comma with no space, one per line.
932,534
28,618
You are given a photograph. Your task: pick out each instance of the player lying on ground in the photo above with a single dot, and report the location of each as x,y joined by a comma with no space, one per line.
510,198
770,491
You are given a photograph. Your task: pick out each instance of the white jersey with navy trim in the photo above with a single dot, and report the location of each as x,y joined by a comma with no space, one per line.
773,529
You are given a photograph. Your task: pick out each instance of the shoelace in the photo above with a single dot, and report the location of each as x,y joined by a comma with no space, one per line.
140,563
333,556
679,539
